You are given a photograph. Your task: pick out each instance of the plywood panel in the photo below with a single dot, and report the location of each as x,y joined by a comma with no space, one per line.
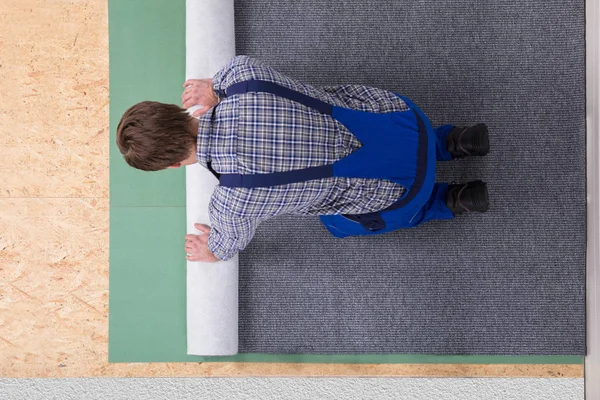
54,94
54,210
53,283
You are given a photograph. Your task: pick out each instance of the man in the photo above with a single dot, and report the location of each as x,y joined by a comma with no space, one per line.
362,158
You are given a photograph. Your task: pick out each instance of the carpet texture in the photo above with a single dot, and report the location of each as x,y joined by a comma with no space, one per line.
509,282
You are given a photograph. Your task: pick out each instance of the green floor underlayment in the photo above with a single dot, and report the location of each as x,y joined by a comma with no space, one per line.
147,210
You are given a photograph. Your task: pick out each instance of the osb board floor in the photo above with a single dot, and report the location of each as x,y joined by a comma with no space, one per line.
54,210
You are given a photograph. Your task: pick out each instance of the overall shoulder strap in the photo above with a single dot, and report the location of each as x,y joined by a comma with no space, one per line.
276,178
281,91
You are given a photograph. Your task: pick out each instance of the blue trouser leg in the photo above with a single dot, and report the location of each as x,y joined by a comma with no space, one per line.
441,152
435,208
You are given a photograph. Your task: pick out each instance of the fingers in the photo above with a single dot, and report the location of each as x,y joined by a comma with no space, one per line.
191,100
188,100
199,252
203,258
190,90
192,237
190,96
194,257
190,82
202,228
194,245
200,111
188,103
199,92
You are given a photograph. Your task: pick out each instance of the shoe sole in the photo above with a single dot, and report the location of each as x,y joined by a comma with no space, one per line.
481,197
481,141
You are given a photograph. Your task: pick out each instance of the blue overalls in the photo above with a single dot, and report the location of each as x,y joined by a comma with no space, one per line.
401,147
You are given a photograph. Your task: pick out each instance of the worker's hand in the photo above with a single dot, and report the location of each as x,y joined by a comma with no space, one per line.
199,92
196,246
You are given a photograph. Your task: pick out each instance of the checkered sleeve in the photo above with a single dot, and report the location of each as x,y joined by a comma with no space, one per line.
241,68
231,231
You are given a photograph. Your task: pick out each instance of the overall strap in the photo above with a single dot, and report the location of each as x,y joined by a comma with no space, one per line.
281,91
212,171
277,178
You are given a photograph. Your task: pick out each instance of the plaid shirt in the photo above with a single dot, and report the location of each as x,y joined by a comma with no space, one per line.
262,133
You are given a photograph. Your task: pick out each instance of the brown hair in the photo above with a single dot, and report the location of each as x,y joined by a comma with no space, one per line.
153,136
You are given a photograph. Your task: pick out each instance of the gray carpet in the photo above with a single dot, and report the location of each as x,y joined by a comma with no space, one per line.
510,282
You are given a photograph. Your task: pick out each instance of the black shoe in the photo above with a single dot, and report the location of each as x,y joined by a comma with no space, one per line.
464,142
468,197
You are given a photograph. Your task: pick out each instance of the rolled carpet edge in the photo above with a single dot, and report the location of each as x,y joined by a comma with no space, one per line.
212,288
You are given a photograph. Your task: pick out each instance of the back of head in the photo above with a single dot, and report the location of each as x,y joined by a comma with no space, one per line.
153,136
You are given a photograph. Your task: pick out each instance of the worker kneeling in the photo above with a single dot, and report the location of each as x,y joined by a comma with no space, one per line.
362,158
